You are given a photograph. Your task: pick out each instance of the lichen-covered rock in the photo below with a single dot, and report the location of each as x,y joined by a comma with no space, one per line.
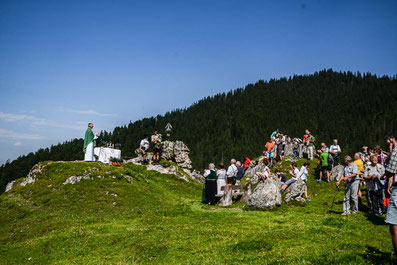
295,191
288,149
9,185
250,173
197,176
336,172
266,194
31,177
181,153
72,180
167,151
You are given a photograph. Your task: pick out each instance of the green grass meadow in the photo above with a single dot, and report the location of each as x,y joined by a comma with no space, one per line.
130,215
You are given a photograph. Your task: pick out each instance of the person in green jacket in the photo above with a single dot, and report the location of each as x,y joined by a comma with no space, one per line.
89,143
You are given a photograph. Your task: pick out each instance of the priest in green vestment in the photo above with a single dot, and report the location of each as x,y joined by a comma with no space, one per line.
89,143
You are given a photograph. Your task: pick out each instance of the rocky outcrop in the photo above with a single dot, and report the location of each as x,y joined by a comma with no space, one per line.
74,179
266,194
336,172
197,176
176,151
9,185
30,178
250,173
295,191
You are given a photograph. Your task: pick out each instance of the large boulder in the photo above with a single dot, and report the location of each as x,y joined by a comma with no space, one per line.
178,152
288,149
266,194
250,173
336,172
295,191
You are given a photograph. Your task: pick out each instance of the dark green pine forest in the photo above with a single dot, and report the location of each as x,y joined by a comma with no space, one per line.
355,108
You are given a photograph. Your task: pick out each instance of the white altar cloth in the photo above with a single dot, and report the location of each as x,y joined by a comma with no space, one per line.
104,154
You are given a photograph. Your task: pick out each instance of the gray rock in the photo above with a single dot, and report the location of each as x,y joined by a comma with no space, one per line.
250,173
266,194
295,191
31,177
197,176
167,151
9,185
336,172
72,180
181,153
288,149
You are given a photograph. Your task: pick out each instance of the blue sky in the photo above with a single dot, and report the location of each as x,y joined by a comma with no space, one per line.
67,63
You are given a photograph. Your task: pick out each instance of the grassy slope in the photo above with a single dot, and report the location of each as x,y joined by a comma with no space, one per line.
159,219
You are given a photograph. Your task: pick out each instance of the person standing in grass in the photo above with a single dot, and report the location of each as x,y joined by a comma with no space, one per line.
231,172
335,150
240,172
89,143
310,146
221,180
359,162
210,185
391,172
325,167
349,176
372,175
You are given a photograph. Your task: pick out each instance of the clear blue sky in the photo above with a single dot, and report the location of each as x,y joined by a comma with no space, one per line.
66,63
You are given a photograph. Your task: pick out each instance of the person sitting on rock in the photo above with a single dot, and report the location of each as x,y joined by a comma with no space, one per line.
221,180
246,163
302,174
294,173
280,176
143,147
156,141
231,172
210,185
265,173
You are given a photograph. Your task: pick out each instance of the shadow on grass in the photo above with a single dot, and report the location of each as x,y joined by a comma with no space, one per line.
376,220
375,256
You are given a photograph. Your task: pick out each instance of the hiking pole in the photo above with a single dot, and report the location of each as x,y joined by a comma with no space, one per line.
333,201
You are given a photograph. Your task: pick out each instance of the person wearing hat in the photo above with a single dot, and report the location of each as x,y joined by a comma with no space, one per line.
390,172
349,176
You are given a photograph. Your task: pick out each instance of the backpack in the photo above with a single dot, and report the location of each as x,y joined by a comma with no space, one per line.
330,159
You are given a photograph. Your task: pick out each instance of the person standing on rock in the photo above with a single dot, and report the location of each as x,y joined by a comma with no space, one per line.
156,141
89,143
349,176
270,151
231,172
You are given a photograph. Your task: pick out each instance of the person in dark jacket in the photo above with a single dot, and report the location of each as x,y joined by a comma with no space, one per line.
210,187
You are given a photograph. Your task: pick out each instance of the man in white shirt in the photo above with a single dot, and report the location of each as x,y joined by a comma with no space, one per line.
143,147
335,150
231,172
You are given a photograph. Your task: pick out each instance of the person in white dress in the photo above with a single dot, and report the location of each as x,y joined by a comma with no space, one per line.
221,180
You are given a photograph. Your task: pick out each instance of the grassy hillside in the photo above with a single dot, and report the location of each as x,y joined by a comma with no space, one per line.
136,216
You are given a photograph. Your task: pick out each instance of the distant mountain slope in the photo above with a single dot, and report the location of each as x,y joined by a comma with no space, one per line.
355,108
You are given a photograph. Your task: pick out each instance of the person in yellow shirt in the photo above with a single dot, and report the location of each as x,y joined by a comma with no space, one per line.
359,162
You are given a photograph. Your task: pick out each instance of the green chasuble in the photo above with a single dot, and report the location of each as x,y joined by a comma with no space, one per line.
211,177
88,138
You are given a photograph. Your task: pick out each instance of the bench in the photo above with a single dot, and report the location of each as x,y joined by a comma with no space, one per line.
234,190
